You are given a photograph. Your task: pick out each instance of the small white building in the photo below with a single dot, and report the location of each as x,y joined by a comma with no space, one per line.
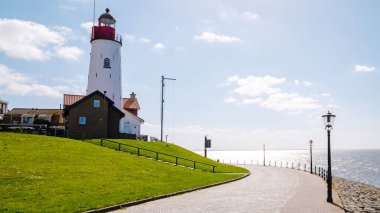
131,123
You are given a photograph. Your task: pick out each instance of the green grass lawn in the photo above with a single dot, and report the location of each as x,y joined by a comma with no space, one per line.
41,173
171,149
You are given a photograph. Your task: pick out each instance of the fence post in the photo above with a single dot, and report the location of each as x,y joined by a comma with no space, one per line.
119,146
244,162
281,164
299,166
319,171
101,142
292,165
83,137
194,164
304,167
138,151
315,170
286,164
213,169
156,155
176,161
275,163
269,163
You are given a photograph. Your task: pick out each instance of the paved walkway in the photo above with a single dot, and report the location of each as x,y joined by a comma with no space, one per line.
267,189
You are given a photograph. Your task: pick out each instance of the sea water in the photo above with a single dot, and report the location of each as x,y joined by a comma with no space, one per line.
357,165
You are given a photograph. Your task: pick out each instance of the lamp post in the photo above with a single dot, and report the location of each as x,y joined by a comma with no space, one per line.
311,156
264,154
329,122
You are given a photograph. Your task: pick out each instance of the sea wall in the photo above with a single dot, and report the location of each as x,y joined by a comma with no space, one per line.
356,196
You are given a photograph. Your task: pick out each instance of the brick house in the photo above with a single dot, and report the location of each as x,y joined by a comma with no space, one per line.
27,116
93,115
131,122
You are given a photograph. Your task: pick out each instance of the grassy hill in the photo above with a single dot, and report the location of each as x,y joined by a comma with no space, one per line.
171,149
41,173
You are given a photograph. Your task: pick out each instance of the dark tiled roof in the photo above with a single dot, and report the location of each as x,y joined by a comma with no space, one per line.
33,111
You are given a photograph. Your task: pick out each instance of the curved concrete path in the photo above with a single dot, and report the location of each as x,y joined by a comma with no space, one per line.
267,189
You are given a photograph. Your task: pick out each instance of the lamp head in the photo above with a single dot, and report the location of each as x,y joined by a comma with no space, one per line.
328,119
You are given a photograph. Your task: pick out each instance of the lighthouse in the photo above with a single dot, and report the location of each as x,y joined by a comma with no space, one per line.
105,61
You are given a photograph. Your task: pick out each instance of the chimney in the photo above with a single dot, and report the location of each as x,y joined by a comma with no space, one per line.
133,96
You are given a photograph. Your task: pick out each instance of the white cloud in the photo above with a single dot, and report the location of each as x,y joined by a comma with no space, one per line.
69,53
132,38
12,82
326,94
159,48
364,68
256,86
305,83
32,41
230,100
250,16
290,102
211,37
144,40
87,26
268,94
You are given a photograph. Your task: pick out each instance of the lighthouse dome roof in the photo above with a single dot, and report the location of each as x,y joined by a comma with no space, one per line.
107,18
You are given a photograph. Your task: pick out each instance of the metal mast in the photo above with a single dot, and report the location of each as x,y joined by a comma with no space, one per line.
162,102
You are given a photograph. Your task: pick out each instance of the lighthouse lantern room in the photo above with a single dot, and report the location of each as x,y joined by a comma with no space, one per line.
105,61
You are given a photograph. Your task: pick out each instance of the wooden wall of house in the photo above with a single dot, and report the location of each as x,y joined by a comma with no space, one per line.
96,119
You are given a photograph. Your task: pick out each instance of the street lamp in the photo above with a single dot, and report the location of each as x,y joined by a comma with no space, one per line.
311,156
329,119
264,154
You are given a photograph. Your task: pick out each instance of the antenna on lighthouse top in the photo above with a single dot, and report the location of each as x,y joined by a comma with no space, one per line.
93,17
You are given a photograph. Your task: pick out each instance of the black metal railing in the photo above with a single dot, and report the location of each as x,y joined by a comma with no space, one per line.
177,160
319,171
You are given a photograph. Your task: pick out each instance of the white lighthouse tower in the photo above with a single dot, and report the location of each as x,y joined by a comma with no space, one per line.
105,62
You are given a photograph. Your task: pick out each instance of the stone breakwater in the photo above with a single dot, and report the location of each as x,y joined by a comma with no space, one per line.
356,196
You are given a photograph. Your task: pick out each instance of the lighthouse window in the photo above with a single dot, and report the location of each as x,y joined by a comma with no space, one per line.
107,63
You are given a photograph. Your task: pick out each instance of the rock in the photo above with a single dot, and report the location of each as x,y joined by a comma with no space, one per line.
356,196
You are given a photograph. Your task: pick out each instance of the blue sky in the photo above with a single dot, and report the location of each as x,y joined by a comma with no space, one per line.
249,72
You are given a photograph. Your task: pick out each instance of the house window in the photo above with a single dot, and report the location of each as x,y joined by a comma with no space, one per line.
96,103
107,63
82,120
